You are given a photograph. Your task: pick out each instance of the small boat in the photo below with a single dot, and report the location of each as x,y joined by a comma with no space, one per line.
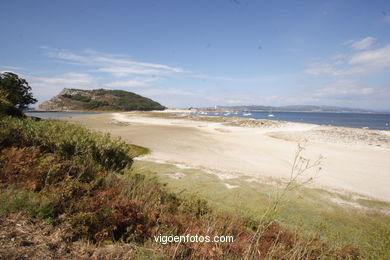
271,115
247,114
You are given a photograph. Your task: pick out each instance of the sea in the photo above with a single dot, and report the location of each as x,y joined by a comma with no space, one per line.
355,120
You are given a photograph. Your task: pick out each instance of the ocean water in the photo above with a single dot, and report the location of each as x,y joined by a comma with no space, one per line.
356,120
59,114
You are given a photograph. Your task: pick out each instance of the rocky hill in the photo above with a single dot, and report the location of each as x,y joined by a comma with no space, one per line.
98,100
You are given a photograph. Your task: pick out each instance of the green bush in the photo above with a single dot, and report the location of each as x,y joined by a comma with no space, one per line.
67,96
71,142
77,97
12,200
81,98
114,100
95,105
7,109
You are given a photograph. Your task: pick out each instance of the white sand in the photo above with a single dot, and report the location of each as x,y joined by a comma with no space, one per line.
350,164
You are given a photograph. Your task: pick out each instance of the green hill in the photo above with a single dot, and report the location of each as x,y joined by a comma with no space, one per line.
99,100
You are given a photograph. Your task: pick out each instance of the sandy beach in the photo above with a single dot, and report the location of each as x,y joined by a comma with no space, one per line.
354,160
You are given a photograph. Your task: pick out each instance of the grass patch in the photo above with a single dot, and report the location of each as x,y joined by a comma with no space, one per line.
375,204
12,201
137,150
309,210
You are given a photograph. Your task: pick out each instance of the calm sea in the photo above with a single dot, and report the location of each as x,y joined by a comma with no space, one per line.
370,121
59,114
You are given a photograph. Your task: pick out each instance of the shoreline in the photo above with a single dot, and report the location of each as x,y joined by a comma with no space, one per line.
264,151
192,114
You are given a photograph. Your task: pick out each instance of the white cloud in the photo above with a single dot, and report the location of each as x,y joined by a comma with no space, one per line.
349,72
323,68
173,97
118,66
132,73
11,68
347,93
366,61
161,92
361,44
234,101
68,80
46,87
373,59
125,71
208,77
343,88
127,83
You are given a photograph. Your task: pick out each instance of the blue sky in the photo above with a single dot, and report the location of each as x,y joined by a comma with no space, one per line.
202,52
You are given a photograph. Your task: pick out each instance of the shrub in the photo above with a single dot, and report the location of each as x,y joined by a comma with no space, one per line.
95,105
7,109
71,142
78,97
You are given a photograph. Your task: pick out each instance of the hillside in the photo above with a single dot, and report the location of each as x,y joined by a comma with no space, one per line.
99,100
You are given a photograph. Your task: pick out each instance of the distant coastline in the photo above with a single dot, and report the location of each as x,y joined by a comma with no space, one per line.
377,121
374,121
294,108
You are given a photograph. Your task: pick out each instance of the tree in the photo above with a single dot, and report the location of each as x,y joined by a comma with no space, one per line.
7,109
15,90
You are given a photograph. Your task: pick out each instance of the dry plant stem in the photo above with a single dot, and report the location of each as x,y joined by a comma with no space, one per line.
299,167
174,254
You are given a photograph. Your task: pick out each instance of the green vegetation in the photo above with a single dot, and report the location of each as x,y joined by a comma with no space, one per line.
15,95
77,97
312,211
100,100
8,109
70,143
86,184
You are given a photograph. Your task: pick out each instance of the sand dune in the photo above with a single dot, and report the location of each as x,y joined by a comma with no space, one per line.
355,160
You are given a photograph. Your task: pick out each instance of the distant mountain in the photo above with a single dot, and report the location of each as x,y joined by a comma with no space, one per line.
313,108
299,108
98,100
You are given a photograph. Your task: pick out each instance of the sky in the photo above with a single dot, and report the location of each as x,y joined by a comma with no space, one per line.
202,53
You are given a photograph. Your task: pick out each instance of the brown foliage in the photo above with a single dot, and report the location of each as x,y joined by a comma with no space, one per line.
127,218
29,168
19,167
101,212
